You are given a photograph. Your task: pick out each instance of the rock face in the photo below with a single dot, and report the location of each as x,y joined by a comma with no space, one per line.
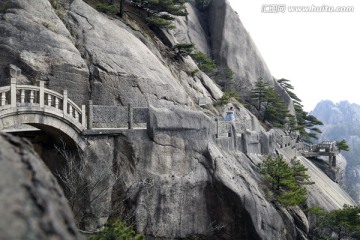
33,205
176,179
342,121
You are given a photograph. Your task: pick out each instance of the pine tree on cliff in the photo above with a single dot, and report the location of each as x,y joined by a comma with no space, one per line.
161,12
287,182
305,123
269,104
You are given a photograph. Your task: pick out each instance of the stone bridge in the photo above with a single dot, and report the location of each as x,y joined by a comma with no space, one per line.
54,112
42,108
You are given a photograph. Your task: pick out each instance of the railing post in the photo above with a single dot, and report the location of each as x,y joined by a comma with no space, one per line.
83,115
22,96
65,101
13,92
41,95
130,116
3,99
90,115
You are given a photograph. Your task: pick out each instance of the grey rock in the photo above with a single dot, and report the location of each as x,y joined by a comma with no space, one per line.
35,40
191,29
32,204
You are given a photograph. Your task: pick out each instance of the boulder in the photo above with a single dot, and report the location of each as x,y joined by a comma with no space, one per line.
32,204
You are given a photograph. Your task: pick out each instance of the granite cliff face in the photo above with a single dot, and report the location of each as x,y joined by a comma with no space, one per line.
175,179
342,121
32,203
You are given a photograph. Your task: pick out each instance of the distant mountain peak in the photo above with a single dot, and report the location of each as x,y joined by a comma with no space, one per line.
340,113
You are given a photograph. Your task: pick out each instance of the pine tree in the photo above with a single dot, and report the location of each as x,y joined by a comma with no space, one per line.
259,93
269,104
204,62
275,109
306,124
161,12
183,49
344,223
287,183
342,145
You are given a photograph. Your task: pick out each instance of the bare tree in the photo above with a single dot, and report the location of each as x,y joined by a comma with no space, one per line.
86,186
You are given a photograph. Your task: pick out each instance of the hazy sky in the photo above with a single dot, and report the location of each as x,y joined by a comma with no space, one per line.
318,51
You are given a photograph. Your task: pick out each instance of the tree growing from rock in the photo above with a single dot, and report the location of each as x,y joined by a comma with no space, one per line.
269,105
205,64
342,145
183,49
286,182
303,122
161,12
338,224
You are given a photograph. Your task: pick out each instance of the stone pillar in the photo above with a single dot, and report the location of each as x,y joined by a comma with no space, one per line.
13,92
83,116
14,73
41,95
90,118
334,161
65,101
130,116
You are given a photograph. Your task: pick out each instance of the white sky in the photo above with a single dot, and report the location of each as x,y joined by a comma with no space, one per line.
318,52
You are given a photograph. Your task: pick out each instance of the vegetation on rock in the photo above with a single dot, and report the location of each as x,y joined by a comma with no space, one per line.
303,122
183,49
225,99
161,12
205,64
342,145
117,230
338,224
270,106
287,182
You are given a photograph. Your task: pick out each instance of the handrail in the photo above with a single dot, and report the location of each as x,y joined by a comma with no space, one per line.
38,96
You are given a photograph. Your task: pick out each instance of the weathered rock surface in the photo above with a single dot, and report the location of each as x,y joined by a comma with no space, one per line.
219,33
35,39
32,204
177,179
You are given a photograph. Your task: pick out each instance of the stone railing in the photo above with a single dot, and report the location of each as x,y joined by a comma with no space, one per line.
128,117
27,97
223,128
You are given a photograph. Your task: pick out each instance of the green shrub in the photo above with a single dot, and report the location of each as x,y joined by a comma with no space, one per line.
204,62
117,231
183,49
193,72
225,99
229,73
160,22
344,223
105,8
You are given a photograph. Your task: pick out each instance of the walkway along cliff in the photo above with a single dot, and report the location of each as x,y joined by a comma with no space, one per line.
167,165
